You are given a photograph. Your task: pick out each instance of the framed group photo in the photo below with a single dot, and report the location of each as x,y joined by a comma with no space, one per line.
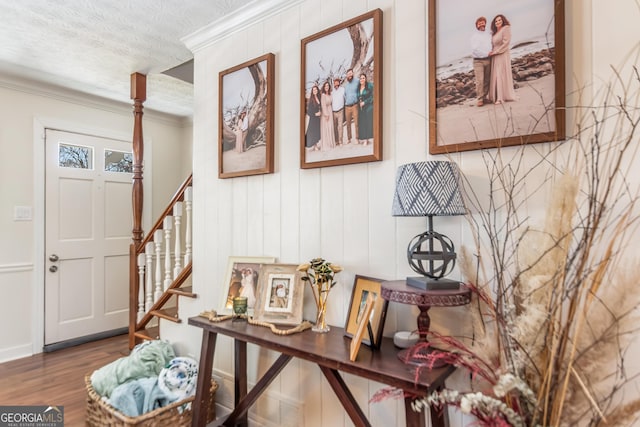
341,94
246,109
280,295
363,288
241,280
496,73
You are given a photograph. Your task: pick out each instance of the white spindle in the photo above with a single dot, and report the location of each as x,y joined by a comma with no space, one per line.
141,266
188,201
167,225
157,241
177,216
148,251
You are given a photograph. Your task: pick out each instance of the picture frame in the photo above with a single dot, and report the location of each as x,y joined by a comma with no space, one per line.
532,112
338,57
280,295
241,279
362,287
357,339
245,118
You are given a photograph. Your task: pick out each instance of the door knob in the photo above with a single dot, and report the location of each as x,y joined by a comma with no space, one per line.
53,268
53,258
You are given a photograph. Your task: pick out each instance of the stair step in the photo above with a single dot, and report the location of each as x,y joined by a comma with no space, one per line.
184,292
151,333
170,314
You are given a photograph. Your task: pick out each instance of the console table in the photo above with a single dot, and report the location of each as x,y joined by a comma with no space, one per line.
330,351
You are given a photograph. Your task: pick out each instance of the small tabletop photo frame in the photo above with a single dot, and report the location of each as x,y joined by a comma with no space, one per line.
363,287
241,280
280,295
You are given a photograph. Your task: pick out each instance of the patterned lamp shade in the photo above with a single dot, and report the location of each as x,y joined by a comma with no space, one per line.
428,189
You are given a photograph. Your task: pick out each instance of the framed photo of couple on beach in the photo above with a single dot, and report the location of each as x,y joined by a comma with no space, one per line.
341,94
245,122
496,73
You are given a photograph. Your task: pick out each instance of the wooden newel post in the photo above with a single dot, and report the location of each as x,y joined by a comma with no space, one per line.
139,95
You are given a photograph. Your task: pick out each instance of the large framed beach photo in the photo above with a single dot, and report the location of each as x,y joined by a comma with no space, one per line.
246,105
496,73
341,94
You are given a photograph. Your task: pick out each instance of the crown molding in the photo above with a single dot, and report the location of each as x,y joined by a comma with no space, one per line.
238,20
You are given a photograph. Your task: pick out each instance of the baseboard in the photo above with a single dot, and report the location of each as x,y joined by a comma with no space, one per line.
17,352
83,340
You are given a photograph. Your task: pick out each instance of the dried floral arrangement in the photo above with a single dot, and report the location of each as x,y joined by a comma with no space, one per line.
555,307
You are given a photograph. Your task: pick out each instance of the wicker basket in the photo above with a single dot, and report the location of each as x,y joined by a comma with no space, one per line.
101,414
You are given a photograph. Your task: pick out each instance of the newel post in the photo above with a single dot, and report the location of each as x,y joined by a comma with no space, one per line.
139,95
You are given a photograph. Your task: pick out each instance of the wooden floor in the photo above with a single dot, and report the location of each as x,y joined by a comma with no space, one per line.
57,378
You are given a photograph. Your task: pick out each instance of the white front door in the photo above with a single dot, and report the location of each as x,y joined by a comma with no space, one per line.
88,223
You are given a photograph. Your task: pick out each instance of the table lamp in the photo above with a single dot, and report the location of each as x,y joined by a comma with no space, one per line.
429,189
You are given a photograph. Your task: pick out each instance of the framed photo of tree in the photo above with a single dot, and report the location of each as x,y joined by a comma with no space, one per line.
246,105
341,94
496,73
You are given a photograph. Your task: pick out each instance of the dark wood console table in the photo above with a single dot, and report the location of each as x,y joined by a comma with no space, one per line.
330,351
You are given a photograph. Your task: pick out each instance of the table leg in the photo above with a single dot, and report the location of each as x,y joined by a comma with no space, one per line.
346,398
439,417
240,377
203,386
413,418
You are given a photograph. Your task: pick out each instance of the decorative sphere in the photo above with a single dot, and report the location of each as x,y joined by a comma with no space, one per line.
438,257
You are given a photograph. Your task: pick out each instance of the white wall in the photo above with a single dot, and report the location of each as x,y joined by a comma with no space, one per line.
340,213
22,104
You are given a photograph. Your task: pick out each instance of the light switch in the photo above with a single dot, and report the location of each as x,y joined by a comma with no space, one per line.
22,213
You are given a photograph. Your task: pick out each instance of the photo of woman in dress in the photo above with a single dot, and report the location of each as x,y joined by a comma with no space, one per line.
365,114
312,136
501,84
327,132
239,131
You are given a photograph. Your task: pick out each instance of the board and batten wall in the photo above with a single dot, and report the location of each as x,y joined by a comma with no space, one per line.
341,213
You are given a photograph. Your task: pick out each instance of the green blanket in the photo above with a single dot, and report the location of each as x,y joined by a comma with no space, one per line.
146,360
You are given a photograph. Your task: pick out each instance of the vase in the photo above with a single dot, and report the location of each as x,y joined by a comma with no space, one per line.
321,318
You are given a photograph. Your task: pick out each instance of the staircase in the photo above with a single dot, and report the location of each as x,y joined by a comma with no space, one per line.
160,269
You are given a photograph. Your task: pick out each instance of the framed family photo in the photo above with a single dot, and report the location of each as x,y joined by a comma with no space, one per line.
341,94
241,280
246,105
280,295
496,73
363,288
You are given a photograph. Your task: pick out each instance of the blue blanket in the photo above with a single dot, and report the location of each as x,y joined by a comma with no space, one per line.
138,397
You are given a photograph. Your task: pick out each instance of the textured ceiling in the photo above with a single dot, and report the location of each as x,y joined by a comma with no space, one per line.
93,46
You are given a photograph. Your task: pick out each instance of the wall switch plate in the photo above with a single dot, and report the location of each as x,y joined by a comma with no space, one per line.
22,213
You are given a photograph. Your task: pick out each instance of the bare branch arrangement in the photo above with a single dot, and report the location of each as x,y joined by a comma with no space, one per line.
555,306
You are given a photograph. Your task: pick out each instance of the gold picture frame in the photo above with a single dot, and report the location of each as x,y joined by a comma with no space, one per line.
280,295
530,44
363,286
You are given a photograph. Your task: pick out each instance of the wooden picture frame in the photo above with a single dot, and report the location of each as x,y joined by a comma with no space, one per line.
245,118
458,121
362,287
362,327
241,279
339,56
280,295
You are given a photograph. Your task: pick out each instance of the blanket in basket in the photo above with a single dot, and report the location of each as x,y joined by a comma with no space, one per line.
146,360
178,379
